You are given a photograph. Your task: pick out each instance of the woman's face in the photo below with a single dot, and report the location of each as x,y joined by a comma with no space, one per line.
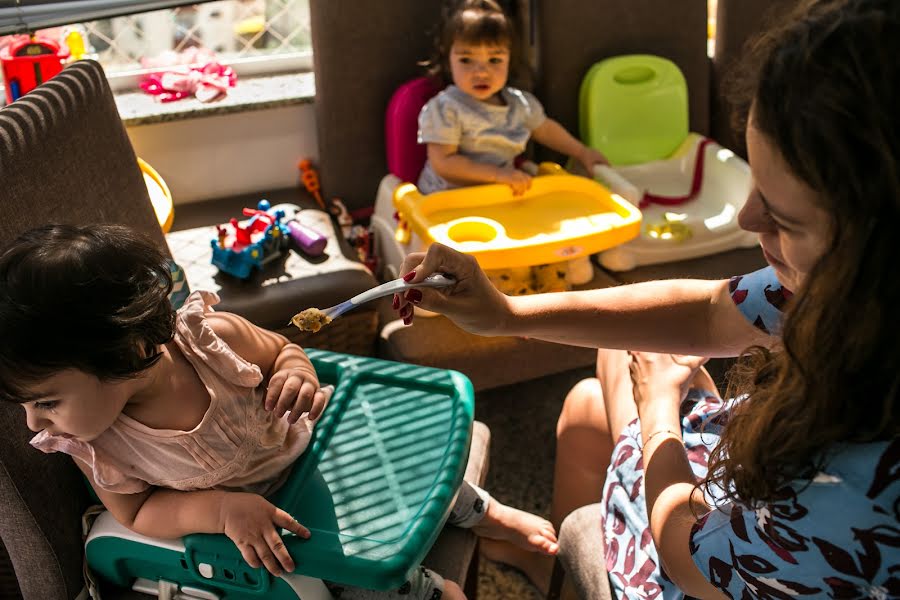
793,230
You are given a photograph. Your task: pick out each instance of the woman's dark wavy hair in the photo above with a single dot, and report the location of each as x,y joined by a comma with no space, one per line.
824,91
90,298
476,22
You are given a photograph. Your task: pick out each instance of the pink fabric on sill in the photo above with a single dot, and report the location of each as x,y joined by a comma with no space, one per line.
238,445
206,83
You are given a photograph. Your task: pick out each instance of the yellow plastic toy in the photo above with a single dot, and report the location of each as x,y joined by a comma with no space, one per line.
75,42
559,218
160,196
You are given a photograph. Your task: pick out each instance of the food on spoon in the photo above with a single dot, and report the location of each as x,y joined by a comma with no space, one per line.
311,319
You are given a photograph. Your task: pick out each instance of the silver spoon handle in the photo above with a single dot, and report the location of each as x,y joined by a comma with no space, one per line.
435,280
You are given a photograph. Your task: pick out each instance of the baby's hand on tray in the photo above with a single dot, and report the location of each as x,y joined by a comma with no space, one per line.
296,390
252,522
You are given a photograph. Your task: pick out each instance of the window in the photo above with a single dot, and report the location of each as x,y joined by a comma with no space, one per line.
254,36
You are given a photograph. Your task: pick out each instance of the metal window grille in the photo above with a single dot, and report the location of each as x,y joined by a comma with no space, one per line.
236,30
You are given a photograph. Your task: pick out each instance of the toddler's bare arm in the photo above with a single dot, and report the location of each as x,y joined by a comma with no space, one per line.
161,513
454,167
254,344
249,520
291,380
553,135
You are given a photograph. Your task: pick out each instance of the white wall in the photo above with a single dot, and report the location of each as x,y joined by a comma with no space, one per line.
224,155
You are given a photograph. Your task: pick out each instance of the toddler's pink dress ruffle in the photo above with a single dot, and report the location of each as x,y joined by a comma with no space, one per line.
238,445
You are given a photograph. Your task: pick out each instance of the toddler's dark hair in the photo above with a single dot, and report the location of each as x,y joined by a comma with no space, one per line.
91,298
474,22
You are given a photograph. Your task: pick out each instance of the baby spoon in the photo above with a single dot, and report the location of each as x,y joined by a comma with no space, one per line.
312,319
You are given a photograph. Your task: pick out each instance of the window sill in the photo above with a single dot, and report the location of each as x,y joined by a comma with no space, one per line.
250,93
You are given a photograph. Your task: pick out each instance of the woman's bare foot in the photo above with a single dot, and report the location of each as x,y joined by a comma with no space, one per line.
524,530
537,567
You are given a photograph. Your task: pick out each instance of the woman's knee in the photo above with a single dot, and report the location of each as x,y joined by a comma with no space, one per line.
583,409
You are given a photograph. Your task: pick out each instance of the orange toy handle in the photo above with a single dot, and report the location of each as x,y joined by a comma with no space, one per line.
310,179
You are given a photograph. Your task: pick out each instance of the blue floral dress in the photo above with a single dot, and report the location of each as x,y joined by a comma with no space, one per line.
837,536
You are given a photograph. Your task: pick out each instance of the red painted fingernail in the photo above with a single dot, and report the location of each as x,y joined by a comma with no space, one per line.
414,296
396,302
407,320
409,276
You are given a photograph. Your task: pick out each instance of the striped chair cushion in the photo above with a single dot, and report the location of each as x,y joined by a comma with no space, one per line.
64,157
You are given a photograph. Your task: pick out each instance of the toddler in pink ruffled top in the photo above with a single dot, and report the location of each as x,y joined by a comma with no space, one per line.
237,444
182,421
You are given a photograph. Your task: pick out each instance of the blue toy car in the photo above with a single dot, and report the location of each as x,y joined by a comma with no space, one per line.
250,244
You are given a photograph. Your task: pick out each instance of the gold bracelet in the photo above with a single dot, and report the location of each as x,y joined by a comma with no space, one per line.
659,431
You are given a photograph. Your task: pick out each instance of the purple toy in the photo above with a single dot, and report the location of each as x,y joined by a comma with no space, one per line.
307,239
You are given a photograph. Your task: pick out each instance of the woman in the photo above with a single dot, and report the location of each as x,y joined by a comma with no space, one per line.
793,489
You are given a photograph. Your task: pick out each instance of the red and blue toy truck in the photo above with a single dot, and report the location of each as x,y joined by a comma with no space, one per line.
240,247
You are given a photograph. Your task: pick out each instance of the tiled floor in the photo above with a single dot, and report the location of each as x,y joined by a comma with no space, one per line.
522,419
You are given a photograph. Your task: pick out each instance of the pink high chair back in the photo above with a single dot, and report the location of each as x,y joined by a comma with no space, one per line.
405,156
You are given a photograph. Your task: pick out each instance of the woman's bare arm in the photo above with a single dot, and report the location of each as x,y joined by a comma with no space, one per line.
676,316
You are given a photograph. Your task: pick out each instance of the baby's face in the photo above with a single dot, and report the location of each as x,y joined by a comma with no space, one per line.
478,70
73,404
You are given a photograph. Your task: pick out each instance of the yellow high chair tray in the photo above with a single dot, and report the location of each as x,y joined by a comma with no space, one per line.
559,218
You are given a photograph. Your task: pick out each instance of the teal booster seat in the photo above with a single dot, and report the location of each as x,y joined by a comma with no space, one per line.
374,486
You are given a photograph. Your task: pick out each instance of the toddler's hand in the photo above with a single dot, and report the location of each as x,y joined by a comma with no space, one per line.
589,158
296,390
518,180
250,521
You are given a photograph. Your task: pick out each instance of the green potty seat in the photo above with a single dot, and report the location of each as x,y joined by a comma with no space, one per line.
374,486
634,108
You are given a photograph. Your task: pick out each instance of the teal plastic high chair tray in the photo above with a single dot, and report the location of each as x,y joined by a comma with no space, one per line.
374,486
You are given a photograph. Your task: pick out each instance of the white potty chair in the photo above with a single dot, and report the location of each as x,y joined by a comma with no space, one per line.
689,188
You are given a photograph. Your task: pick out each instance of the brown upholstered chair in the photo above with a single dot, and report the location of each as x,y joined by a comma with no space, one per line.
65,157
574,34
